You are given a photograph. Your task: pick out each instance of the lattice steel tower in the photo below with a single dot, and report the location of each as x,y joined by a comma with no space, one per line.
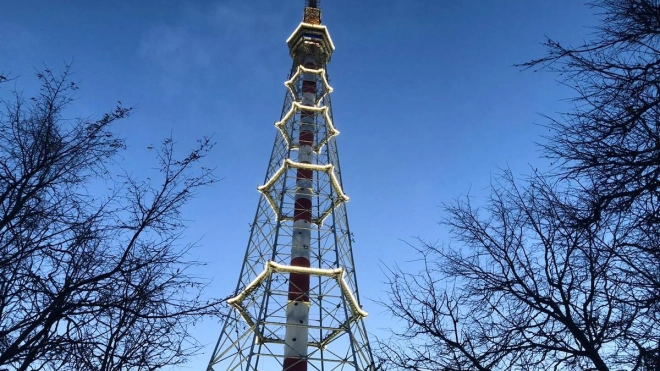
296,306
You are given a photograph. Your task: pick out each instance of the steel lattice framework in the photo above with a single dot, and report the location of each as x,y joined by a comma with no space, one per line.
296,305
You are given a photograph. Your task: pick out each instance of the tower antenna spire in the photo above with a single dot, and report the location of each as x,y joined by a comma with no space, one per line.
312,13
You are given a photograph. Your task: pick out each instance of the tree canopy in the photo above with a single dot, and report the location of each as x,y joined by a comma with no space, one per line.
91,280
560,270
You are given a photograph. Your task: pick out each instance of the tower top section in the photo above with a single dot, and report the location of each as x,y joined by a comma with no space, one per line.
311,38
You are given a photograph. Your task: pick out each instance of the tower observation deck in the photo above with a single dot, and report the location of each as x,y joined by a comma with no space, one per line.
296,305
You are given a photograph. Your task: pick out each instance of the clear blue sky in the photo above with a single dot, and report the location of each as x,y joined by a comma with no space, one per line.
425,96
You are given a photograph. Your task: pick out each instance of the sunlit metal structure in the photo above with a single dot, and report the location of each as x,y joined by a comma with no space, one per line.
296,305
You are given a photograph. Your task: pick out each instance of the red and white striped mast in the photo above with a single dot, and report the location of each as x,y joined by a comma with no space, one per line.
295,350
306,298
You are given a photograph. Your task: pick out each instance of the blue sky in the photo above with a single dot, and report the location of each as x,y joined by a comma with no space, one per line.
425,96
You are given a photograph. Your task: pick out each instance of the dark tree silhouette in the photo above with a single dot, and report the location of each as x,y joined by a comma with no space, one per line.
611,139
561,271
89,279
524,287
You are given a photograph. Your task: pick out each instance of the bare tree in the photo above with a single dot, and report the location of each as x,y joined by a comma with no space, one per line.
526,288
561,271
90,279
610,141
611,138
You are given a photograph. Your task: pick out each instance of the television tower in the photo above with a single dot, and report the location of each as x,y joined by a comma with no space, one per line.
296,305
